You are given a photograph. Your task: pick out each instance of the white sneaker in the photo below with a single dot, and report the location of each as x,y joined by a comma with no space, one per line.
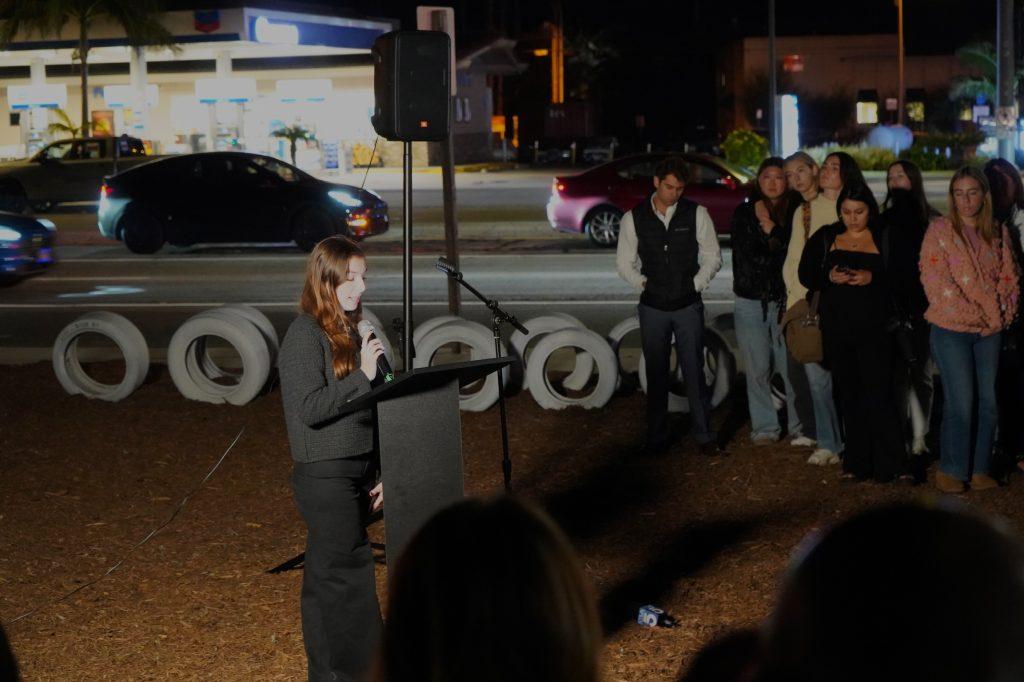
919,447
803,442
823,457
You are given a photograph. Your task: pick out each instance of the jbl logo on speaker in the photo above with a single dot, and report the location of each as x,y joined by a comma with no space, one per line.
411,85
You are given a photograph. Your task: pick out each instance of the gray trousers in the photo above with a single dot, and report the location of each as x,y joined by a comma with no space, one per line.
656,330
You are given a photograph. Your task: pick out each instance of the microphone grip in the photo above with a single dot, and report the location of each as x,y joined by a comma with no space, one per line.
383,366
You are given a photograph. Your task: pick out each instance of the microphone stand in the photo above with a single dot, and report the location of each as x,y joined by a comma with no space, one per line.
498,317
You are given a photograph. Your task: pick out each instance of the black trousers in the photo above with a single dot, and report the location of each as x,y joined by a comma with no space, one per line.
341,620
862,363
656,330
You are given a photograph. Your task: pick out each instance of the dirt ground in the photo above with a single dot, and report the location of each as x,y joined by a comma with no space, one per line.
81,482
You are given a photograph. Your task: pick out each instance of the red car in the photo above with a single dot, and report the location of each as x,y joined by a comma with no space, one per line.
594,201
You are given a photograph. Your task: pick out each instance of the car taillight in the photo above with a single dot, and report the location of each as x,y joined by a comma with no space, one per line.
557,186
105,191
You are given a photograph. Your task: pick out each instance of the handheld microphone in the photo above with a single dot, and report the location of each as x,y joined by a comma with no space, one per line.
447,268
366,329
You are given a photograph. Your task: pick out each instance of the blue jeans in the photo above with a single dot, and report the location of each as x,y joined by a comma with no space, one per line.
826,419
968,364
763,349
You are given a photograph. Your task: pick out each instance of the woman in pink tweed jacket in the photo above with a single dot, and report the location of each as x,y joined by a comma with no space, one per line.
971,280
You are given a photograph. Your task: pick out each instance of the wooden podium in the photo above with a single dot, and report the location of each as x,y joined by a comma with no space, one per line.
420,441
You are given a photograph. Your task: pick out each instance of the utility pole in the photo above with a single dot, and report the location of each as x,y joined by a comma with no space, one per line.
557,54
1006,97
774,124
899,63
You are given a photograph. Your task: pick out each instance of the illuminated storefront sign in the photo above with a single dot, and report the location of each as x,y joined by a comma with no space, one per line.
210,90
276,33
48,96
303,89
118,96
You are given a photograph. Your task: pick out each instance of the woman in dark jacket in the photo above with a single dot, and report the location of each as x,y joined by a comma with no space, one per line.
844,262
905,217
760,235
323,365
1008,209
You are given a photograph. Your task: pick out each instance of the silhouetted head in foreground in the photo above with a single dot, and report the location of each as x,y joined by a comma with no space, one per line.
902,593
490,590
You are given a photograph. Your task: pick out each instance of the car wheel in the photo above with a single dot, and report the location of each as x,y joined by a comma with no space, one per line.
142,231
13,197
602,226
312,225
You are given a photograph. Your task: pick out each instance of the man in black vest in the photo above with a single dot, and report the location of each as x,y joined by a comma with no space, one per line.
669,251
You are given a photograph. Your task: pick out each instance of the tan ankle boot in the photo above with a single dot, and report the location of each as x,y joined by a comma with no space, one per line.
947,483
983,482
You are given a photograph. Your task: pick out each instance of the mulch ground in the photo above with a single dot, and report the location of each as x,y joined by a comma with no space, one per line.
81,482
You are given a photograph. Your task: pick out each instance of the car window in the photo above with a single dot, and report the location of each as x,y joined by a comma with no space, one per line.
281,170
58,150
210,169
641,169
701,174
240,171
87,149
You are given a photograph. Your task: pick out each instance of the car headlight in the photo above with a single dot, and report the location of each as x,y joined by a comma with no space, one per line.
8,234
345,198
48,224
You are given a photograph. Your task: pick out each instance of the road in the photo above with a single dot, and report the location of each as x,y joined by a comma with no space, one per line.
506,205
159,292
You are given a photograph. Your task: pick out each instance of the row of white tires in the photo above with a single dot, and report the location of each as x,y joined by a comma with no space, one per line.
193,368
197,375
552,333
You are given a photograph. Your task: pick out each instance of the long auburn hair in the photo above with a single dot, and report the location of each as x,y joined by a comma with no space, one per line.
326,269
987,227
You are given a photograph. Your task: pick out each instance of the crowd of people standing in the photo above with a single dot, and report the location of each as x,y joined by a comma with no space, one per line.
830,287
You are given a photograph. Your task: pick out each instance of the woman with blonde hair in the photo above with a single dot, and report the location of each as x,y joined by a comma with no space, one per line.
323,364
490,590
971,281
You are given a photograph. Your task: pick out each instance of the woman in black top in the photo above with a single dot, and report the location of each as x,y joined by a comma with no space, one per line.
1008,209
844,263
905,217
322,367
760,235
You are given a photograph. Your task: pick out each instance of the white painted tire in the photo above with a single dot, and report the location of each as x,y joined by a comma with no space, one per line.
247,341
382,334
129,340
545,324
615,336
209,367
720,376
596,346
481,343
432,323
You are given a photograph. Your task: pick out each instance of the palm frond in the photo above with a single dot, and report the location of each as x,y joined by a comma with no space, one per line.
980,57
970,88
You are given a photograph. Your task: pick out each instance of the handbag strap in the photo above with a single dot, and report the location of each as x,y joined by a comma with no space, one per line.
812,311
806,208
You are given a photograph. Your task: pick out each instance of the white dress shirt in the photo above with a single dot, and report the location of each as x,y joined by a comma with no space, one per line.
627,260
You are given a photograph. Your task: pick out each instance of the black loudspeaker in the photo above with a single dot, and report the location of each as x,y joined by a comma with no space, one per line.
412,85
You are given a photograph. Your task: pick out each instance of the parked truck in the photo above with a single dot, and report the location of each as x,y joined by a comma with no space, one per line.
66,171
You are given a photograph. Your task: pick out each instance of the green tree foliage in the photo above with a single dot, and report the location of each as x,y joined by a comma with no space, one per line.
745,147
47,18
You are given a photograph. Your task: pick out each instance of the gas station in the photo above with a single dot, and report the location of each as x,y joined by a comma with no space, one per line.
233,77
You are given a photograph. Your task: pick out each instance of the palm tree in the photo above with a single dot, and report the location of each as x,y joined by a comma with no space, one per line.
138,19
293,134
982,58
64,125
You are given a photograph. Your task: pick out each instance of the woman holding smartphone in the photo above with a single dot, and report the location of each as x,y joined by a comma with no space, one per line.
323,365
844,262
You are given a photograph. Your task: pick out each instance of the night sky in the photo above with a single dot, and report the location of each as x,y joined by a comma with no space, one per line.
666,50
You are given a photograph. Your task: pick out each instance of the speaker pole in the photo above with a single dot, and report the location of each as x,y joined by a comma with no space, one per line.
407,350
